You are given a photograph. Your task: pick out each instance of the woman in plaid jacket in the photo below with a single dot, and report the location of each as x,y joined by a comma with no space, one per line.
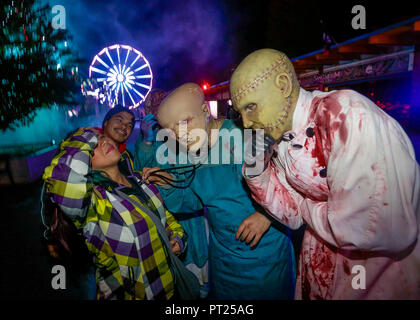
131,260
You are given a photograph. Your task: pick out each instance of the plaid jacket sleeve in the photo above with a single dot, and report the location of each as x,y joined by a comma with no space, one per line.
175,230
66,182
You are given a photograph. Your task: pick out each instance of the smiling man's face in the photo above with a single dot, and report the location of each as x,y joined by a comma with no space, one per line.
119,127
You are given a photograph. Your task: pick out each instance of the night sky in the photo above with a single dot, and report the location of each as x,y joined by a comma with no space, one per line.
199,41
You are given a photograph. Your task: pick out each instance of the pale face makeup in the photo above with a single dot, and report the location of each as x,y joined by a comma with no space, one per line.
186,114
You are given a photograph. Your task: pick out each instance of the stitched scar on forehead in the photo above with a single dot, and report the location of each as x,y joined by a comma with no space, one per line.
259,79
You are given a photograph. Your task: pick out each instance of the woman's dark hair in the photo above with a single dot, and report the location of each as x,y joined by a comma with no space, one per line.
62,230
69,242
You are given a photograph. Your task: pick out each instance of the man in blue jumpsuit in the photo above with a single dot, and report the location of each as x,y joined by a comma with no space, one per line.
264,270
195,257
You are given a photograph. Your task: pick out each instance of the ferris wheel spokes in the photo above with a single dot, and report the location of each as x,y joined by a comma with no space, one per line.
121,73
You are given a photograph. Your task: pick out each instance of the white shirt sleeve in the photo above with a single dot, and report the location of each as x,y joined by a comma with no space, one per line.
274,194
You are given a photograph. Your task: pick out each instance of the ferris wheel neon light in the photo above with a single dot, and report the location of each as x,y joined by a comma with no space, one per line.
125,72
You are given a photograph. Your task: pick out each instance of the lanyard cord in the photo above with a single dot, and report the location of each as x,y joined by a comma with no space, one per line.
191,166
173,182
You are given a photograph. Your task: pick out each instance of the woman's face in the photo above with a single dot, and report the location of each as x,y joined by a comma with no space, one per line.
106,154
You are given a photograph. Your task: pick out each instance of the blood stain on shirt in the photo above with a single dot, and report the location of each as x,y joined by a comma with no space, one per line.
343,132
346,267
317,152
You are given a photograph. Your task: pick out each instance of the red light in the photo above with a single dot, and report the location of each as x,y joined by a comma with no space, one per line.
205,86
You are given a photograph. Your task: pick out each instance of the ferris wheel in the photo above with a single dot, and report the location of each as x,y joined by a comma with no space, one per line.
124,73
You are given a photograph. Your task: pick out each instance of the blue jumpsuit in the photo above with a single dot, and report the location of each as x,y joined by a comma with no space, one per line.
237,271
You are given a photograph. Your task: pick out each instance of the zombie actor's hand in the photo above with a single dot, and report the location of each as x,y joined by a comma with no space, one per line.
258,152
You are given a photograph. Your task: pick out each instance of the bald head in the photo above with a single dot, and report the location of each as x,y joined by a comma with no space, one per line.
184,110
187,97
264,89
258,67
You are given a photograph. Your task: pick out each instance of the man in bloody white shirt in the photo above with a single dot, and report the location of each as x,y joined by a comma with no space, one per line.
339,164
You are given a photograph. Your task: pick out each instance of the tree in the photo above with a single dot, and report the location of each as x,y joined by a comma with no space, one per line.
36,62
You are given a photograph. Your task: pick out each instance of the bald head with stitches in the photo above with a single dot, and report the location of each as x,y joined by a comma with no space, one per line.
264,89
184,111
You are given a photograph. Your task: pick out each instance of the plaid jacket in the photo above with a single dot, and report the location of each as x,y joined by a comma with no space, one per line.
131,260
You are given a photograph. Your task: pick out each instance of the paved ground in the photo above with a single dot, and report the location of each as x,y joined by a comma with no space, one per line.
25,265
